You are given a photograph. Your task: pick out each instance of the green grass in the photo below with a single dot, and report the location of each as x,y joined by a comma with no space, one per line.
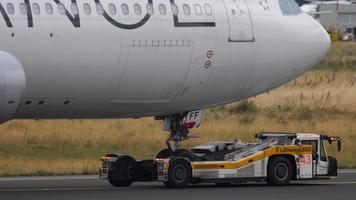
342,55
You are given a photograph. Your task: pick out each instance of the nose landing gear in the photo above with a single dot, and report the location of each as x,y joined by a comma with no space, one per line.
178,125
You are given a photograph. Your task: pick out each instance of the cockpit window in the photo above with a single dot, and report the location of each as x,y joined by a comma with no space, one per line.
294,7
285,7
289,7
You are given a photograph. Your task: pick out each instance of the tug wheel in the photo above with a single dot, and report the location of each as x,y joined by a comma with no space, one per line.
179,174
279,171
120,174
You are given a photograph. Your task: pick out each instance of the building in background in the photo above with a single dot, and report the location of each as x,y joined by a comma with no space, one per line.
337,17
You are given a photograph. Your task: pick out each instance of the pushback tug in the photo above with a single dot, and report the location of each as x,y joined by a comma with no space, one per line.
275,158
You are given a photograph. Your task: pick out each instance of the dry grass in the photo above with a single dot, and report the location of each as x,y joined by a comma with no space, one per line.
341,55
47,167
322,100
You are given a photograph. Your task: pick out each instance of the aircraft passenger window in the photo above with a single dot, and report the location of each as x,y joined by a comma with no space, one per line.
162,9
125,9
49,8
112,9
74,9
137,9
10,8
295,9
150,9
198,9
36,8
87,9
61,9
208,9
99,9
285,7
186,9
23,8
174,9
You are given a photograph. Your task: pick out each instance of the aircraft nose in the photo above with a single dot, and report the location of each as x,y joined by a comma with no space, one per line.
310,44
319,43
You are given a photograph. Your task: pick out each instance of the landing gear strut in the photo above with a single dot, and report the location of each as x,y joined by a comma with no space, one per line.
178,125
178,132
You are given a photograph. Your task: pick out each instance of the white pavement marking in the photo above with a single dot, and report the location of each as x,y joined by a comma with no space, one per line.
334,183
44,178
347,171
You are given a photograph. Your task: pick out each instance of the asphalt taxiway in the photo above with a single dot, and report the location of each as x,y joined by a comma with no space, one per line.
90,187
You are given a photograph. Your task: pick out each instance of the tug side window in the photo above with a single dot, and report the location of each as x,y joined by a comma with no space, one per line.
322,152
314,144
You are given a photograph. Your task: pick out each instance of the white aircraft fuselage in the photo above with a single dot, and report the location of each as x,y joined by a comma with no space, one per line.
134,58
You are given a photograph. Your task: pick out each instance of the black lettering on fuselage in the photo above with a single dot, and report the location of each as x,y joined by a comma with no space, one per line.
29,13
189,24
125,26
5,16
75,19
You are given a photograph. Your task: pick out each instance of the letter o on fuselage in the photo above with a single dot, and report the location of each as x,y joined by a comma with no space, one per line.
12,85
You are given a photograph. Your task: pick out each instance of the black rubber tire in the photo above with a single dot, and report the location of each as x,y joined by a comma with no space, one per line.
279,171
164,153
120,183
179,174
120,176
